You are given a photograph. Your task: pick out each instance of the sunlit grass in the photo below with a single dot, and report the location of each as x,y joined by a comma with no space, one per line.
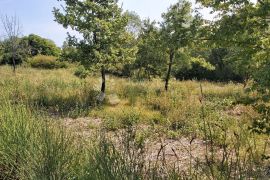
33,100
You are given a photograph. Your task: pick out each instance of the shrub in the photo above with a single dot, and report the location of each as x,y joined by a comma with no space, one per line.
81,72
46,62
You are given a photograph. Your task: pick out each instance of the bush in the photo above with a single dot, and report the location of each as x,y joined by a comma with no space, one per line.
46,62
81,72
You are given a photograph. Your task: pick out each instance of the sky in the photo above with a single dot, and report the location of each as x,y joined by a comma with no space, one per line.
36,15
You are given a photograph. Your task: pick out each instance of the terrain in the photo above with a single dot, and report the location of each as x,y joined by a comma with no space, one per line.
53,126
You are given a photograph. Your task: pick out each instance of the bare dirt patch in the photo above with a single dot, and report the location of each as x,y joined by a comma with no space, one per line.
240,110
180,153
82,127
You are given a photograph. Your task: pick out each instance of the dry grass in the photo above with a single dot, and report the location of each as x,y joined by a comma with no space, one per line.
216,119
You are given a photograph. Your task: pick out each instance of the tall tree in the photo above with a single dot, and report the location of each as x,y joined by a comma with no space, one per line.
151,51
12,30
103,28
176,31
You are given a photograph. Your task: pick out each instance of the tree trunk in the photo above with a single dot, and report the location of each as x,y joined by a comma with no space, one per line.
103,76
101,96
13,63
169,70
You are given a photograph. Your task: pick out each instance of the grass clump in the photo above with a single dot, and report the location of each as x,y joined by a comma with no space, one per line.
32,147
67,96
132,92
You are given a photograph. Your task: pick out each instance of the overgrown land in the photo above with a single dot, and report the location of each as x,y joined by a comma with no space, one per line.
185,98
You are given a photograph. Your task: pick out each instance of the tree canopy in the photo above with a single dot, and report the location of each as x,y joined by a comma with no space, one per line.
103,28
39,45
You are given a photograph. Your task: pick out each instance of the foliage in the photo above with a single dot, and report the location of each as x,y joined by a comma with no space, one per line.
12,32
20,55
134,25
248,35
105,40
178,29
42,46
46,62
81,72
69,53
151,56
1,51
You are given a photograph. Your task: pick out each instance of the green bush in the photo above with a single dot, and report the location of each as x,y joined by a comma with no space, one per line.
81,72
46,62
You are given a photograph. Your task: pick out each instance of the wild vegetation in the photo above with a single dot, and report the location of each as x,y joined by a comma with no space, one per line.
185,98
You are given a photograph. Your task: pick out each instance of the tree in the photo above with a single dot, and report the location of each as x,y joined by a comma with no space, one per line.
7,56
151,52
135,24
103,28
248,30
176,31
249,35
1,50
39,45
69,53
12,30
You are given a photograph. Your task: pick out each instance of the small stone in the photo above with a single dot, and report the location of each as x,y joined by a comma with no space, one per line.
101,97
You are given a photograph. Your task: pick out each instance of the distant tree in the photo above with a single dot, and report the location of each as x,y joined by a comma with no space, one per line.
39,45
69,53
12,30
177,29
103,28
135,24
225,69
151,52
9,57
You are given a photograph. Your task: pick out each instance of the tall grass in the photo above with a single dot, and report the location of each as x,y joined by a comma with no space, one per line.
32,147
59,96
35,145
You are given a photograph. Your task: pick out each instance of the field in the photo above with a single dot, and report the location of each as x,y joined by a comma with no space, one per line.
51,127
